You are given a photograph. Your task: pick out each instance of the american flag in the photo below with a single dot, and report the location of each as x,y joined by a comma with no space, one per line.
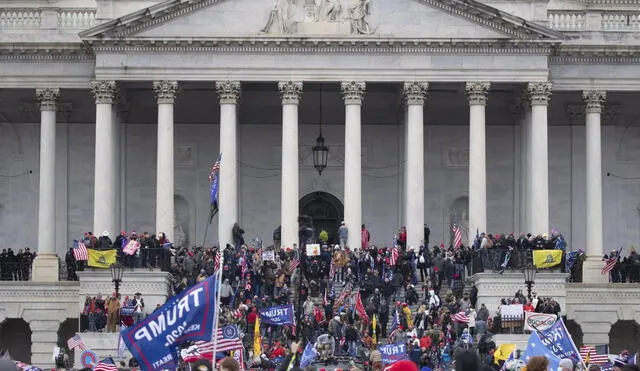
228,339
214,169
457,236
244,267
395,324
216,262
80,252
590,355
106,364
362,313
294,264
394,252
609,264
76,342
460,317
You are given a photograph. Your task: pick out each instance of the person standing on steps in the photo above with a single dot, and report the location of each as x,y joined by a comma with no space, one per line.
343,235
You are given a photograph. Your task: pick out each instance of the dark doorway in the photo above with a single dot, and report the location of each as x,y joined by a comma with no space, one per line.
624,334
67,329
326,211
15,337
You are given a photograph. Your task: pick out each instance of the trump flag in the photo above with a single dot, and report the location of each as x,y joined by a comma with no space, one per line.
185,317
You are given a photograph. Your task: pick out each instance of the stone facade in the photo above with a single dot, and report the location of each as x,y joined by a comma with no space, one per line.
207,72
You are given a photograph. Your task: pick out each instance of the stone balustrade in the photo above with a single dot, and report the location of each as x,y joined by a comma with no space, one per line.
567,20
594,20
20,18
32,18
76,18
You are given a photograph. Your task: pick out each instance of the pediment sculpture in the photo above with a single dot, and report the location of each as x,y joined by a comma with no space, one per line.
320,17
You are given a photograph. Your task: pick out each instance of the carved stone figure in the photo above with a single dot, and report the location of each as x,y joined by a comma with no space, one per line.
328,10
179,237
280,17
359,12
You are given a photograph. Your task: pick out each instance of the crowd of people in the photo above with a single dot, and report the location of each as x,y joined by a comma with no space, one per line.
16,267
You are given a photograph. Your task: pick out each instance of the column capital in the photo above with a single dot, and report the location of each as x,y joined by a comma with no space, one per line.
228,91
539,93
353,91
104,91
166,91
48,98
290,91
477,92
415,92
594,100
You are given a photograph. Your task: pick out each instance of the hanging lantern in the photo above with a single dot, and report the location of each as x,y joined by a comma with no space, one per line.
320,154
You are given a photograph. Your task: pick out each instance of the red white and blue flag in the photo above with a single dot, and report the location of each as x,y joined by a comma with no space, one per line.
457,236
294,264
106,364
80,252
393,259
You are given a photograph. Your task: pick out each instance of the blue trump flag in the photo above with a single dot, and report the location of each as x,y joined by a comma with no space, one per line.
308,356
558,340
185,317
535,347
214,179
393,353
282,315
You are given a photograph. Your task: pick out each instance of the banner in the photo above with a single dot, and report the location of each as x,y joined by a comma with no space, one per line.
538,321
268,255
546,258
185,317
101,258
131,247
558,340
393,353
313,249
308,356
512,311
281,315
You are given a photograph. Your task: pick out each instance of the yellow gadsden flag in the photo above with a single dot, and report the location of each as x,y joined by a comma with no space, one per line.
546,258
503,352
101,258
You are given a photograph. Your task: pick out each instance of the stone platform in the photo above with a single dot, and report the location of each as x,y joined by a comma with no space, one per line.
103,344
154,285
492,287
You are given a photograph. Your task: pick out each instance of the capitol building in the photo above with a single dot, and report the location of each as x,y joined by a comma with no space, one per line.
497,116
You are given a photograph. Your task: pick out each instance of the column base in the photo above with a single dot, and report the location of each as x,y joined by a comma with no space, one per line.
45,268
591,270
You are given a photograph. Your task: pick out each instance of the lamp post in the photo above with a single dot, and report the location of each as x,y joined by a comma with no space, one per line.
117,270
529,277
320,150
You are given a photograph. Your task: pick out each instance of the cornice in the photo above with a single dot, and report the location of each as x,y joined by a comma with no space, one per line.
294,45
45,52
596,54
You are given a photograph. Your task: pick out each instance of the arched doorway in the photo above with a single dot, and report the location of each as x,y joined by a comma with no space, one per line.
459,215
575,330
325,210
67,329
15,337
624,334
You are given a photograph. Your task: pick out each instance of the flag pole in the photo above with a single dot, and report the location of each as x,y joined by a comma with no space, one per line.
217,309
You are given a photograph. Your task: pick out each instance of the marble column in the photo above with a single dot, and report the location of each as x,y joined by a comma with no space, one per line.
45,267
525,157
229,93
291,92
594,103
477,94
104,213
538,197
415,94
165,182
353,93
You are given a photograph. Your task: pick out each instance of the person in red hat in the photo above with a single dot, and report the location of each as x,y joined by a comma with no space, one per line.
402,366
